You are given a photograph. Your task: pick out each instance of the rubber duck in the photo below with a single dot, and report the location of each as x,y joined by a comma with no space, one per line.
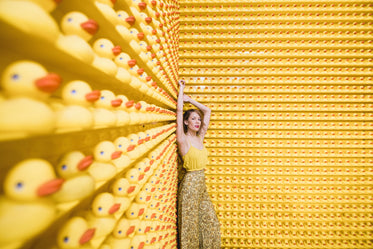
124,19
77,31
24,209
135,211
138,241
143,197
26,85
123,117
78,183
105,52
120,191
122,234
132,151
102,168
48,5
31,18
74,114
106,9
125,61
131,35
107,152
75,233
101,217
103,113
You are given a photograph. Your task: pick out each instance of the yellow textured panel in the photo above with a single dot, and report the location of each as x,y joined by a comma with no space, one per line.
290,139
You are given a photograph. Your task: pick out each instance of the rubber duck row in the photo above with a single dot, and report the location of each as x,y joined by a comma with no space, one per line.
155,25
257,80
27,107
300,44
134,218
277,71
77,30
259,89
327,62
76,177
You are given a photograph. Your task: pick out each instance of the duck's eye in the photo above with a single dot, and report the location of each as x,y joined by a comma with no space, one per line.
102,97
120,58
100,209
119,146
101,152
19,185
131,140
73,91
132,177
69,19
66,239
120,188
102,45
119,15
64,167
15,76
120,232
132,213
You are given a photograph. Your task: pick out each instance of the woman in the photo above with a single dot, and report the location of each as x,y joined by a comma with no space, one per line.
197,221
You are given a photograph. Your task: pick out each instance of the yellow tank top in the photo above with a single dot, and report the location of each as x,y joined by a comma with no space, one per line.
195,159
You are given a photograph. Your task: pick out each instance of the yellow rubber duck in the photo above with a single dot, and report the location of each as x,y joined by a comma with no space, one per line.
138,241
135,211
48,5
131,35
24,210
103,113
143,197
124,19
75,233
122,234
75,114
72,167
116,156
132,151
123,117
119,190
31,18
101,217
103,168
77,31
106,8
105,52
23,112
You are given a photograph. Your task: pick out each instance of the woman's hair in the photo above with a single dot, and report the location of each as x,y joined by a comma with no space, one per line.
186,117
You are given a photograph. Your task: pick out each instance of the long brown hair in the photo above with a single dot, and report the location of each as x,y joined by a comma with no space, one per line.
186,116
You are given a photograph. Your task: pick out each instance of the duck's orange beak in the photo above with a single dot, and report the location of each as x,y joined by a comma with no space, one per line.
116,102
93,96
131,189
148,20
114,208
131,147
49,83
50,187
132,62
142,5
140,35
85,163
87,236
116,155
131,20
91,26
130,230
117,50
130,103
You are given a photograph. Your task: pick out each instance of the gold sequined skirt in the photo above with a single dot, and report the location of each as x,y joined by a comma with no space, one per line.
197,221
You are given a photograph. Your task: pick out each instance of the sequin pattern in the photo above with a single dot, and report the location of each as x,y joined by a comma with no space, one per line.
197,222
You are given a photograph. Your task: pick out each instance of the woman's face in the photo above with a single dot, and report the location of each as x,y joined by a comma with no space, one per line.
194,122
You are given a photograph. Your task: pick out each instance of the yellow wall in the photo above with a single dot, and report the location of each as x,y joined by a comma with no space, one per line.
290,86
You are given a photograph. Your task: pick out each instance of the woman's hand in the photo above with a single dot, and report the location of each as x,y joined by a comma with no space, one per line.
186,98
181,84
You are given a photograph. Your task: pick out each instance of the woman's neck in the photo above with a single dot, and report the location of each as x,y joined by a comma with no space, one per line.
191,133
